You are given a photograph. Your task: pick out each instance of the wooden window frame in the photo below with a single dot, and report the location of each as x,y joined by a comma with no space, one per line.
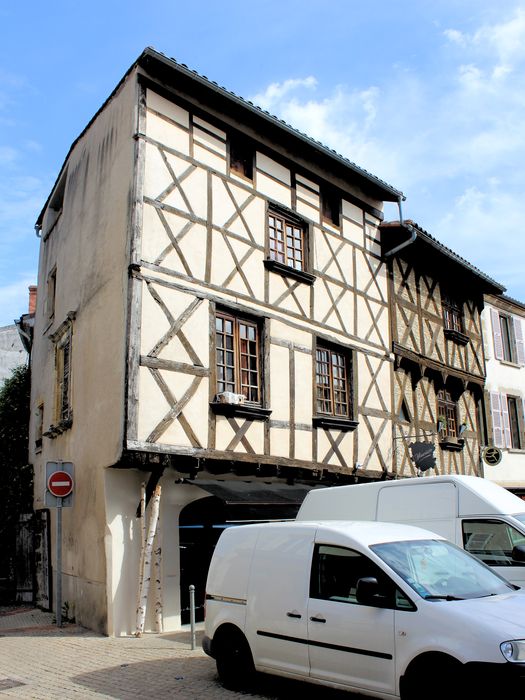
231,376
51,294
326,402
63,410
453,319
283,266
515,423
508,339
447,411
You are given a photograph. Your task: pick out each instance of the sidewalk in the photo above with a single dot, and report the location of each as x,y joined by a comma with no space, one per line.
40,661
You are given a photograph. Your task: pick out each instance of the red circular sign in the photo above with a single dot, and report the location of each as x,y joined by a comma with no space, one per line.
60,484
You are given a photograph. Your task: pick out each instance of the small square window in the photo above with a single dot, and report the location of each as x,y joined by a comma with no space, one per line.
286,240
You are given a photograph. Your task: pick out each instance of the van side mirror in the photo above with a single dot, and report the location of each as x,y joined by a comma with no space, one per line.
518,553
369,592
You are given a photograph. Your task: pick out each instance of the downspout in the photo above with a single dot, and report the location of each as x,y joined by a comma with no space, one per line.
410,229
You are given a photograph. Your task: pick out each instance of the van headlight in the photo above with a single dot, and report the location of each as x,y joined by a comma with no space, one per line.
514,650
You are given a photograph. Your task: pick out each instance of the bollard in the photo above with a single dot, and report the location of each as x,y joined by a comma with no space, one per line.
192,615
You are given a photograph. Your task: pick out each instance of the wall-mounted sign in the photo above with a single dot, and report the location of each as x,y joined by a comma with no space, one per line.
492,456
423,455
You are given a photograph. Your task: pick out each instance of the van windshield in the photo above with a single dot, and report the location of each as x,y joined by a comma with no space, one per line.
438,570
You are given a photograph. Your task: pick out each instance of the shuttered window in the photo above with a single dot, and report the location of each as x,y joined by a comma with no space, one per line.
507,420
497,420
508,337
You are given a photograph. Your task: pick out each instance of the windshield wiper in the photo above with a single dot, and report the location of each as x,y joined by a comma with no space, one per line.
442,597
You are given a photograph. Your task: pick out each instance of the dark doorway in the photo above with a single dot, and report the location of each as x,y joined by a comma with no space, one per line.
200,526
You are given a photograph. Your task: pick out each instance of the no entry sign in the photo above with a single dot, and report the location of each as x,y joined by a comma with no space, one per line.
60,484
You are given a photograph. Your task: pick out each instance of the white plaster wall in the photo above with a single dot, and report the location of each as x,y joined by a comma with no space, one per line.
89,246
123,544
505,378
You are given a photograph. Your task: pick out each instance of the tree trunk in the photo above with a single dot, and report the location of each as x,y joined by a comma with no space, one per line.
146,564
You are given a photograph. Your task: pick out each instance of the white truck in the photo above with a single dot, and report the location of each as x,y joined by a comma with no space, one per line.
383,609
474,513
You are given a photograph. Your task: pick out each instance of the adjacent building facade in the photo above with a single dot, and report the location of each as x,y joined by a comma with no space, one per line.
212,317
504,326
436,304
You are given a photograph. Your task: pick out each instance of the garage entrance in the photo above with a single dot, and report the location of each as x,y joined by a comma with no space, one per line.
231,503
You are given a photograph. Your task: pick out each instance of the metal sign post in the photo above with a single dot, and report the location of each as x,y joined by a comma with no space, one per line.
59,494
59,564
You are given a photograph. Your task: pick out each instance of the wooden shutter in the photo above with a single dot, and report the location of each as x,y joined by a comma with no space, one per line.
507,442
497,419
496,334
518,335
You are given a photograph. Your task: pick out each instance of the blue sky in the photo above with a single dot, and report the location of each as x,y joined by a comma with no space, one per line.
427,95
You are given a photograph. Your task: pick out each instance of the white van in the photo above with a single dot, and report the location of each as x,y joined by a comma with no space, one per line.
383,609
478,515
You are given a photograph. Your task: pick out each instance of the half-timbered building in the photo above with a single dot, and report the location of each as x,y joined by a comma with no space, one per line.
212,317
439,372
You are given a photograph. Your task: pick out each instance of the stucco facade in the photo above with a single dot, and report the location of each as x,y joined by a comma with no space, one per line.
504,323
182,337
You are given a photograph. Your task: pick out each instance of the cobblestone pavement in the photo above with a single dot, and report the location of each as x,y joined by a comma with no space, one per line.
39,660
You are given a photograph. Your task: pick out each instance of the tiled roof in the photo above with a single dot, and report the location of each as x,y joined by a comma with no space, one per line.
272,118
425,236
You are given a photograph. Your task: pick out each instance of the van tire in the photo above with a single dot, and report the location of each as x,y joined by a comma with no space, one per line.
233,658
434,676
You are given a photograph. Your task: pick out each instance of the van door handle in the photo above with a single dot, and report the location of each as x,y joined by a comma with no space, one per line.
317,619
293,614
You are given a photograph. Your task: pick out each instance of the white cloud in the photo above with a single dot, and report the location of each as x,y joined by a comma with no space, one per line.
453,140
277,91
485,226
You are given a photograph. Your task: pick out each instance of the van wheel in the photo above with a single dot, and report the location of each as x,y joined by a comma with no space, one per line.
234,660
435,677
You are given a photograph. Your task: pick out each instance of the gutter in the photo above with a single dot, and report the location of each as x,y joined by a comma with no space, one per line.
409,228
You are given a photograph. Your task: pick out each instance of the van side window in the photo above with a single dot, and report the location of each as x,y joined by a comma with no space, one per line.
492,541
336,571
